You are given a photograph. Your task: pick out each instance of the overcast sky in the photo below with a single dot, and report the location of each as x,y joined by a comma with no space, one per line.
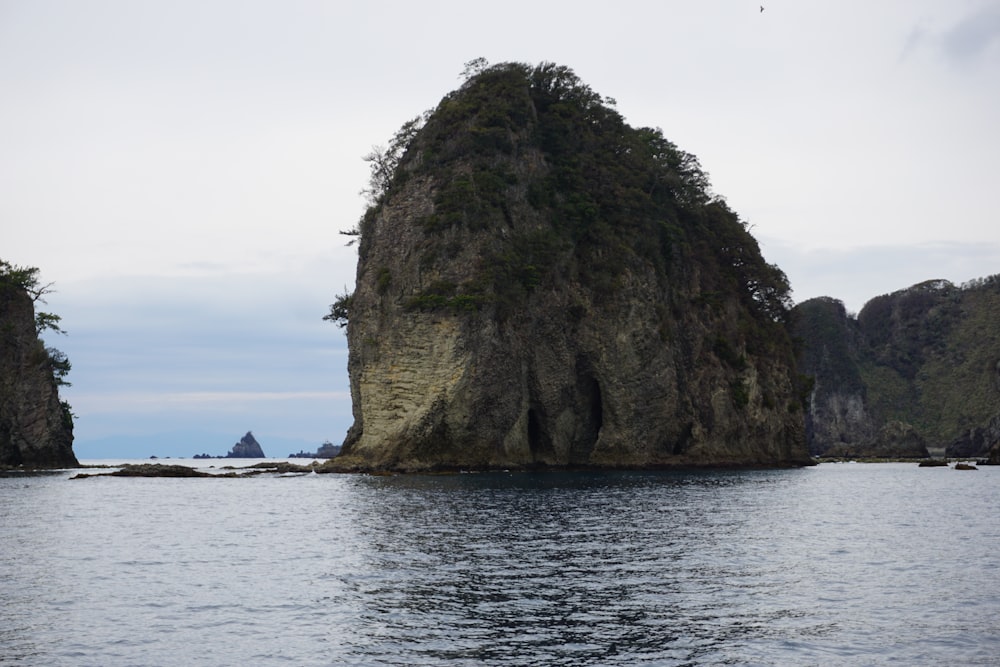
181,169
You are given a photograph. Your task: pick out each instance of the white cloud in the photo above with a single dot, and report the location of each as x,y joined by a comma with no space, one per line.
857,275
975,35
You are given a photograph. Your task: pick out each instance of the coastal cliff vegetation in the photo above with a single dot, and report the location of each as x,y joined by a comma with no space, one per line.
36,425
539,283
925,359
612,194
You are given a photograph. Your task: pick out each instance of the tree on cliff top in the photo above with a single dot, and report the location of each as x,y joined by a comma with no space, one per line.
611,193
26,279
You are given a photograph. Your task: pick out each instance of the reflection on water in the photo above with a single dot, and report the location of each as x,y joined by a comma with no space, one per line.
832,565
608,567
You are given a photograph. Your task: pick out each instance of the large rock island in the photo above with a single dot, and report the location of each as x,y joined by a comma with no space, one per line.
36,427
541,285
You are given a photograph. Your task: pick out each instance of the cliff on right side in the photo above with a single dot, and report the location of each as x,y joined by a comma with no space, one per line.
915,372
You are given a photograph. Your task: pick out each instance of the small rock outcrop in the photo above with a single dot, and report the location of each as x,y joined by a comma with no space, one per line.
540,284
894,440
900,440
36,427
978,441
156,470
246,448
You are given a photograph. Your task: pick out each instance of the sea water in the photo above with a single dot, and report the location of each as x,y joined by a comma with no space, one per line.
839,564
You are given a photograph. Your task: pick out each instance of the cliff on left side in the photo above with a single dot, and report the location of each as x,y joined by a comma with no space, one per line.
36,426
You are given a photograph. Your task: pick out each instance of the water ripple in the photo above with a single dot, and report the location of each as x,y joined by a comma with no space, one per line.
845,565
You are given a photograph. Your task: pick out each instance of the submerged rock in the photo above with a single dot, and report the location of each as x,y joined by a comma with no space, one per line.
282,467
158,470
174,470
148,470
540,284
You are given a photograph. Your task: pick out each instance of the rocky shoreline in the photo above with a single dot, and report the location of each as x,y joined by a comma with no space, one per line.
329,467
176,470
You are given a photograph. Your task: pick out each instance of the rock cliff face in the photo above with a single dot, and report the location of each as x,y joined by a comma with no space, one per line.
837,417
540,284
36,428
916,369
978,441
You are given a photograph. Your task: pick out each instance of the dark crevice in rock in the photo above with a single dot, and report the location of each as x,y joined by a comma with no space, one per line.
539,440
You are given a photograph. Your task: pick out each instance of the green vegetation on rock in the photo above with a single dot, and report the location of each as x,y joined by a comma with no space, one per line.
602,198
926,357
36,426
540,283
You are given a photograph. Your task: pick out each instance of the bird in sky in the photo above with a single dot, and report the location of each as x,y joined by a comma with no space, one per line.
762,8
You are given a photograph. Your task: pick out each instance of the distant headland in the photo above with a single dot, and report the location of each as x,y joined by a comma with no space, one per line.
326,451
249,448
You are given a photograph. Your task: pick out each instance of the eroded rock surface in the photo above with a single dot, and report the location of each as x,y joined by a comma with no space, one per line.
542,285
36,428
914,371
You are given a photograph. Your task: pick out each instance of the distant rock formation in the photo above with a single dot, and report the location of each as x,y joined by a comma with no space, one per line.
246,448
540,284
327,450
916,370
36,427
